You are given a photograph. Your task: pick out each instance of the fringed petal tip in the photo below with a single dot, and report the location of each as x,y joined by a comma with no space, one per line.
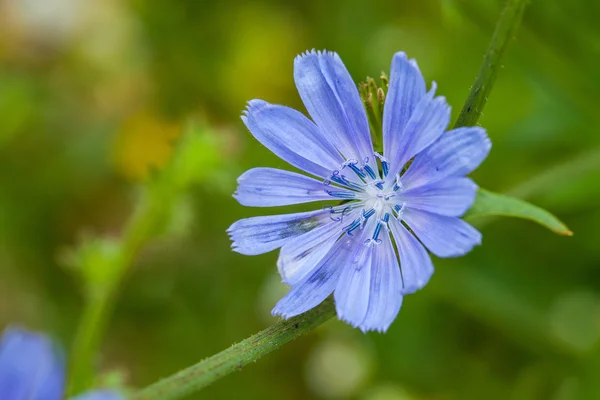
433,89
283,273
485,139
441,100
232,236
291,136
480,132
278,312
236,246
369,324
438,99
366,327
236,194
402,57
258,235
270,187
378,329
252,106
317,53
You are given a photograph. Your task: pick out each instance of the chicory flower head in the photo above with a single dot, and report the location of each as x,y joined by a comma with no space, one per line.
368,246
31,369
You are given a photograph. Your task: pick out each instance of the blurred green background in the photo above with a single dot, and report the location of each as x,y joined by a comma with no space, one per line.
93,95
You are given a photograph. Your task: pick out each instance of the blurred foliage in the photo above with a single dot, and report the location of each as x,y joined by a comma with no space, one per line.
94,94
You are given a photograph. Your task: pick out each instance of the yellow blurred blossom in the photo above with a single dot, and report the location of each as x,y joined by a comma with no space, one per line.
144,143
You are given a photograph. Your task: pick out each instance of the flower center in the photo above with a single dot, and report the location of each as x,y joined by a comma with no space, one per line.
361,185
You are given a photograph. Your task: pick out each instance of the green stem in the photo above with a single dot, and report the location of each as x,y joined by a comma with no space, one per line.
237,356
506,29
87,339
100,300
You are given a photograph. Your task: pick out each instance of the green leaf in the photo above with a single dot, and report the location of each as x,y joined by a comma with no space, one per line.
488,204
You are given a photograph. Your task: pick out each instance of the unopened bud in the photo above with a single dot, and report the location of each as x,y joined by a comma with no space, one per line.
380,97
385,82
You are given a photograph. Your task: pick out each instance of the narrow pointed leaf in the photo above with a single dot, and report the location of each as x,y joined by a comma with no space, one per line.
489,204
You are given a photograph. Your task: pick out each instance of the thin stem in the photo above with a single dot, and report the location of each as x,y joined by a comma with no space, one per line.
237,356
506,29
100,300
86,342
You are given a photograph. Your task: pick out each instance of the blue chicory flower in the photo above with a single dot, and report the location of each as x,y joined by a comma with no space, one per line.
369,249
31,369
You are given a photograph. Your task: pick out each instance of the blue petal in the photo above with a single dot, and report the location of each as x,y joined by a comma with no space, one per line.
267,187
332,100
321,283
299,257
257,235
456,153
292,137
353,289
443,236
415,263
426,124
29,367
406,89
385,297
451,197
100,395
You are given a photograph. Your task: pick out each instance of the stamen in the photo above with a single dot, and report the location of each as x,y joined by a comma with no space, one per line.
385,196
338,179
333,211
357,170
376,233
380,185
380,225
341,195
367,214
370,171
341,180
353,226
399,210
385,164
398,185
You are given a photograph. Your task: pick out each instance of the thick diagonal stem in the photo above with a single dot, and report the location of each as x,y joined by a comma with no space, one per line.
237,356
